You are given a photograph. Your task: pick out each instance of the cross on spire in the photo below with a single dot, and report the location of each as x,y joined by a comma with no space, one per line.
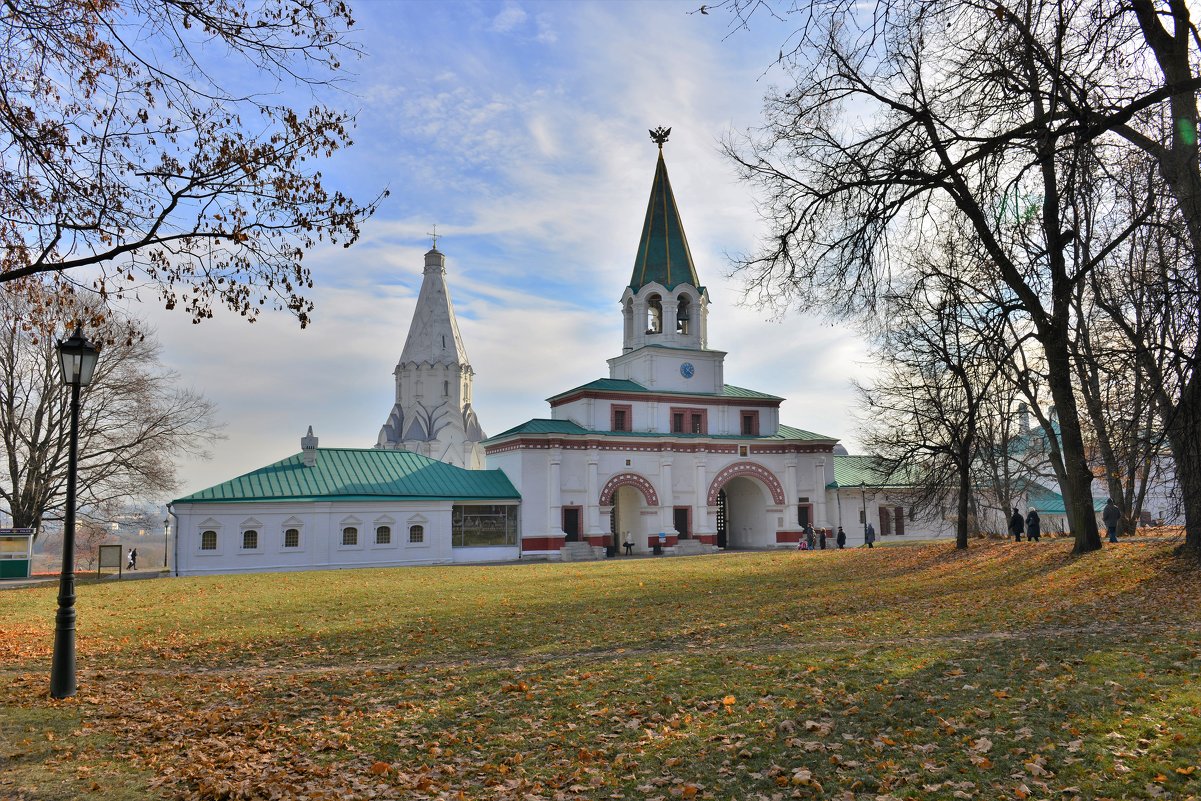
434,235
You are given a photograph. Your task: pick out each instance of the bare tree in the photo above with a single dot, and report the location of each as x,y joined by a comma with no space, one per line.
132,157
134,420
901,120
934,342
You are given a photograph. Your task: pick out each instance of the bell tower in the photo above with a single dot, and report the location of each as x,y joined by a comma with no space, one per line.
665,308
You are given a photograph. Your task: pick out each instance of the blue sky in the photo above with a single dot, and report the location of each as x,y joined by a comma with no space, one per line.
520,129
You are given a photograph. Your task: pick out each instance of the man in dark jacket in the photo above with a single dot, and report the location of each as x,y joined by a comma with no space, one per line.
1033,526
841,539
1016,524
1111,517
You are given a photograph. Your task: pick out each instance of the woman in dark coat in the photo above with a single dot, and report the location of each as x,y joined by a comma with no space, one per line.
1016,524
1033,533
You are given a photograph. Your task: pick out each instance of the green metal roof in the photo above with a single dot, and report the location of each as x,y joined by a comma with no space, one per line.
663,255
1048,502
624,385
544,426
851,471
360,474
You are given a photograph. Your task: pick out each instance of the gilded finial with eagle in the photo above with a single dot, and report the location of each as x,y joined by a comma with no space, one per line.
659,135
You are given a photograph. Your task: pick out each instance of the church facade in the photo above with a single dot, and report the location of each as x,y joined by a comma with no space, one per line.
662,452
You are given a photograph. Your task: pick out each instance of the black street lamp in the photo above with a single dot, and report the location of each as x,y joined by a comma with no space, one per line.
863,491
78,361
166,531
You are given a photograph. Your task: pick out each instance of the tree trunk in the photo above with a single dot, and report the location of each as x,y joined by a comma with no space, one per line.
1183,435
1077,477
965,491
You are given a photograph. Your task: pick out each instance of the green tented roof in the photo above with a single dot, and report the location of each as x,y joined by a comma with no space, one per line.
663,255
544,426
851,471
359,474
624,385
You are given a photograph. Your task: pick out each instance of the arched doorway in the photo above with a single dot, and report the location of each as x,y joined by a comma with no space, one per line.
634,509
746,518
742,494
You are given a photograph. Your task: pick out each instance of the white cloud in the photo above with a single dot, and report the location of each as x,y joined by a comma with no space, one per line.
511,17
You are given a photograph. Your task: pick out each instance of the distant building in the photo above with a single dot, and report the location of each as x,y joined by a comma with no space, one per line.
432,413
347,507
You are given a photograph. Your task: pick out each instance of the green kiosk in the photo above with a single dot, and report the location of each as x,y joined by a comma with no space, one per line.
16,552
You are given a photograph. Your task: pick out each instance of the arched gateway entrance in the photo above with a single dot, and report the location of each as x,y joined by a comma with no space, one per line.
633,509
744,494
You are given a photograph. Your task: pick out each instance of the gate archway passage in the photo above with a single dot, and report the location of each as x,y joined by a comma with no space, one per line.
632,499
742,493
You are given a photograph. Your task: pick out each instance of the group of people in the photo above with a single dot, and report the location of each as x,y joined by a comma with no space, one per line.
1111,517
1028,525
816,540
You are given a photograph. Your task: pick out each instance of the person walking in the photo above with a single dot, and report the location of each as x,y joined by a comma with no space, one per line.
629,545
1111,517
1016,524
1033,530
810,538
869,536
821,540
841,539
132,562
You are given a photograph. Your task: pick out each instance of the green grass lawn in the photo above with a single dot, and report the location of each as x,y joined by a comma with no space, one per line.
1009,671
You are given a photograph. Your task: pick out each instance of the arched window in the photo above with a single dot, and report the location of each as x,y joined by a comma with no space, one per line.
445,388
383,535
350,536
654,315
416,534
292,538
250,539
208,540
683,314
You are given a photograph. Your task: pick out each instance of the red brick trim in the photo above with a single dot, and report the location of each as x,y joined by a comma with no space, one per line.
653,540
752,469
628,408
789,536
708,539
754,414
541,544
641,483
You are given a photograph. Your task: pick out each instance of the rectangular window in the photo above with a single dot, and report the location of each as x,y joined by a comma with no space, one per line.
208,540
350,536
622,419
804,514
483,524
750,423
743,450
689,421
383,535
292,538
250,540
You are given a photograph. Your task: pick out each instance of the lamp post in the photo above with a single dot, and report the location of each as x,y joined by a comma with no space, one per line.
863,491
166,532
77,358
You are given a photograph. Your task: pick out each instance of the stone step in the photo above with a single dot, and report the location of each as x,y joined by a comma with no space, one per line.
580,552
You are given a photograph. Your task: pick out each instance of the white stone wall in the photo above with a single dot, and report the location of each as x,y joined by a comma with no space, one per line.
320,525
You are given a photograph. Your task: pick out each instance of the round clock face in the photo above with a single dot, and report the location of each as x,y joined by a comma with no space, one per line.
687,370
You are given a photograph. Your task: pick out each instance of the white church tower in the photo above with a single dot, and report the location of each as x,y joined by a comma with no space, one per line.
432,414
